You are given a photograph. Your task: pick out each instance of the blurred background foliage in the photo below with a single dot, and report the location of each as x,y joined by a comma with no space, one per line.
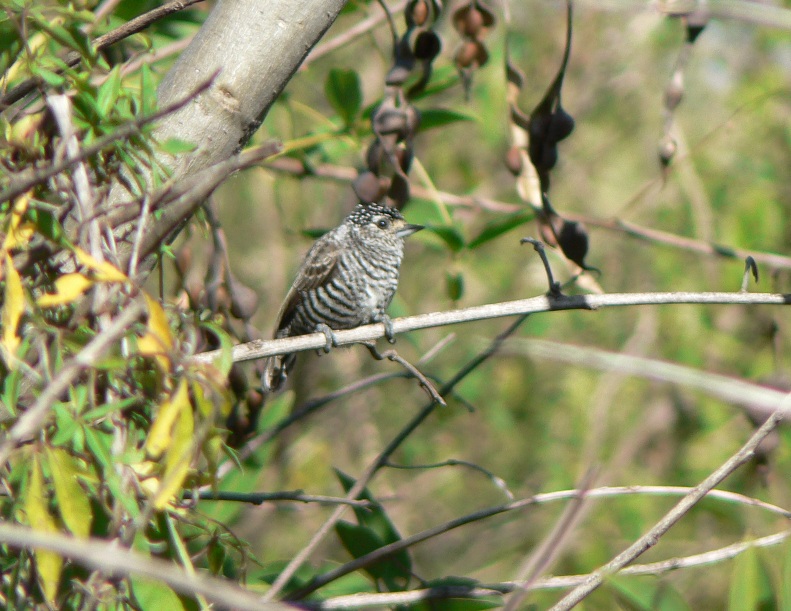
537,425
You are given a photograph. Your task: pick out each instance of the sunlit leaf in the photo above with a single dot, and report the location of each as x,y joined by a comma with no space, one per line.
154,595
68,288
15,237
104,271
72,501
179,454
160,436
176,146
158,340
49,564
13,308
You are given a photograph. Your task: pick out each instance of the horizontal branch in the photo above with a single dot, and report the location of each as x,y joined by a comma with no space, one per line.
259,349
113,560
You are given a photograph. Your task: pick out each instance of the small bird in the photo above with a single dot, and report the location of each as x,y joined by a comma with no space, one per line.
347,279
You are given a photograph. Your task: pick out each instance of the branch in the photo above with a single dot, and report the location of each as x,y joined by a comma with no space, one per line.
259,498
259,349
651,538
111,559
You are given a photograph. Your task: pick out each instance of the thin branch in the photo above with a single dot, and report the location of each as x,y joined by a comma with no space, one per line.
259,498
651,538
381,600
259,349
392,355
499,482
761,399
113,560
132,26
35,417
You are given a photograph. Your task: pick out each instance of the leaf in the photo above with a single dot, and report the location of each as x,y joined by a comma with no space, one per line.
48,564
68,288
177,146
178,458
160,436
744,590
72,502
454,282
148,91
17,233
361,540
158,340
224,361
46,224
439,117
449,234
497,228
13,308
109,91
154,595
343,92
104,271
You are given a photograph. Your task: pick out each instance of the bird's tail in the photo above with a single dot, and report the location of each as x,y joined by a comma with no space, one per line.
276,370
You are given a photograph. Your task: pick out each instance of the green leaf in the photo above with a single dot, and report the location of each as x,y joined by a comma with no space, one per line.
500,226
72,501
154,595
455,285
109,91
450,235
176,146
51,78
344,93
744,590
148,91
46,223
361,540
633,593
439,117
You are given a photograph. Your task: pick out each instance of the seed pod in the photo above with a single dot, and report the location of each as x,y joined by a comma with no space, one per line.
667,150
471,53
417,13
427,46
367,187
513,160
244,300
473,22
674,91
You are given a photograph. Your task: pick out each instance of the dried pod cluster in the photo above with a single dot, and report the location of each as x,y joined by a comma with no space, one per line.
396,120
694,23
472,21
534,153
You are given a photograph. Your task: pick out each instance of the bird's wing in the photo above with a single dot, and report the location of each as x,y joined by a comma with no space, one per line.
319,265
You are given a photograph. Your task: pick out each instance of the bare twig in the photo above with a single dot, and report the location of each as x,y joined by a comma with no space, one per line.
499,482
651,538
35,417
114,560
259,498
392,355
259,349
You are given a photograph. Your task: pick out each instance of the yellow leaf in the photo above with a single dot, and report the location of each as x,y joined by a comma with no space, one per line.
177,459
157,341
48,564
15,235
13,308
161,433
104,271
67,288
72,502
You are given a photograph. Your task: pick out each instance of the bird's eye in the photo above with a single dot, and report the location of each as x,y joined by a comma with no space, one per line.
383,223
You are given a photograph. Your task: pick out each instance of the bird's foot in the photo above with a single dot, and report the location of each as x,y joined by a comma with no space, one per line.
332,341
389,332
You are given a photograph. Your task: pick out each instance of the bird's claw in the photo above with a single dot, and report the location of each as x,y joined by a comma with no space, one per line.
389,332
332,341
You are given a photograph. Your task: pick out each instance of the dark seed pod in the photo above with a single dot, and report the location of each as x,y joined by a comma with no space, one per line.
427,46
367,187
244,300
471,53
560,126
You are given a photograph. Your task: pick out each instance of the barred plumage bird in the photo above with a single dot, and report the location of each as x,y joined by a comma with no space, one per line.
348,279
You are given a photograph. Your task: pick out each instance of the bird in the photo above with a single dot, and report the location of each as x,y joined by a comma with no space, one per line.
348,278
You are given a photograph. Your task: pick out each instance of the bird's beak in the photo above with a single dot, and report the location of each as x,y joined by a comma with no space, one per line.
408,230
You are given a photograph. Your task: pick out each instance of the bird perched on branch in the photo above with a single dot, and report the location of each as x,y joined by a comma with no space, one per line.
348,279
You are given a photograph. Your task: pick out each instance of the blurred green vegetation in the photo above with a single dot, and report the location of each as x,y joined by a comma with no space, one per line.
538,425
